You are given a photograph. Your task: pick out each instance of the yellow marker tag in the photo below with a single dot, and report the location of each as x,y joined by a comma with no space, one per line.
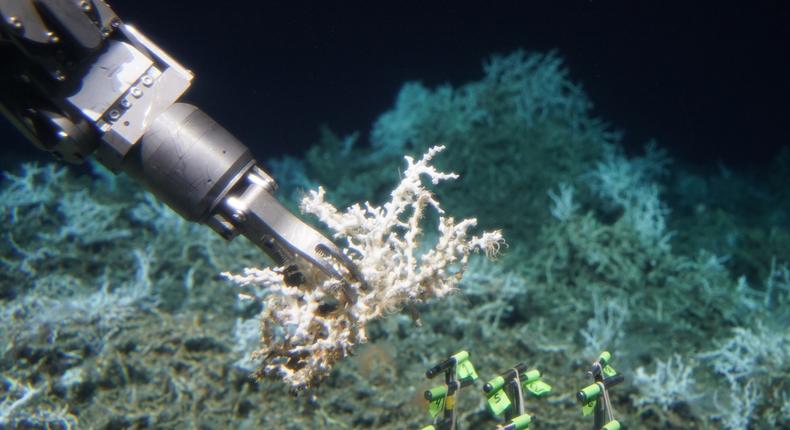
450,404
588,408
609,371
498,403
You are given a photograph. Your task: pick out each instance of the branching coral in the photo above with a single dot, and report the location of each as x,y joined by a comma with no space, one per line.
672,382
306,329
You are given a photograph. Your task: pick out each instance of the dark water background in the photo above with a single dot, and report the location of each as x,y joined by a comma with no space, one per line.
706,79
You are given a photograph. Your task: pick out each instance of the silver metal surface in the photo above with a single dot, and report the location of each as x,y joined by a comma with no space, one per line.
126,106
111,76
188,160
144,107
148,96
24,17
259,216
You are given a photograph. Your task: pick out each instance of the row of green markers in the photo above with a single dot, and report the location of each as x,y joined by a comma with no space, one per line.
505,393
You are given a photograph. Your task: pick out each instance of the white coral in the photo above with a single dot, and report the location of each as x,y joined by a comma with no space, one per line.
672,382
745,360
631,185
563,205
605,329
305,330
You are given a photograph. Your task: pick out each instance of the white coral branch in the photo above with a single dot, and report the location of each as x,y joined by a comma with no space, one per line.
303,336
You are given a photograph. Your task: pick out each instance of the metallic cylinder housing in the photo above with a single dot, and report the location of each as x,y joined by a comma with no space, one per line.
188,160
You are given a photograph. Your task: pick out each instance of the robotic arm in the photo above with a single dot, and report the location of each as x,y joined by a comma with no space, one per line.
77,81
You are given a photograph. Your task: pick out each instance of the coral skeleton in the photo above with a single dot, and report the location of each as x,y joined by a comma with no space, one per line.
306,329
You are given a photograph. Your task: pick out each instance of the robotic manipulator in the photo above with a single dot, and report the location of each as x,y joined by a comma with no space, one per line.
77,81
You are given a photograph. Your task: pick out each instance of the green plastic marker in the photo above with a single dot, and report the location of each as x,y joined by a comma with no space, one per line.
604,361
459,372
498,402
594,397
605,358
589,393
453,360
588,396
530,380
498,388
534,386
530,376
505,376
494,385
436,397
436,392
460,356
521,422
465,371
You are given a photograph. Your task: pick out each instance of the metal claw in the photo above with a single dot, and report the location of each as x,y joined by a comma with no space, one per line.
259,216
335,253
